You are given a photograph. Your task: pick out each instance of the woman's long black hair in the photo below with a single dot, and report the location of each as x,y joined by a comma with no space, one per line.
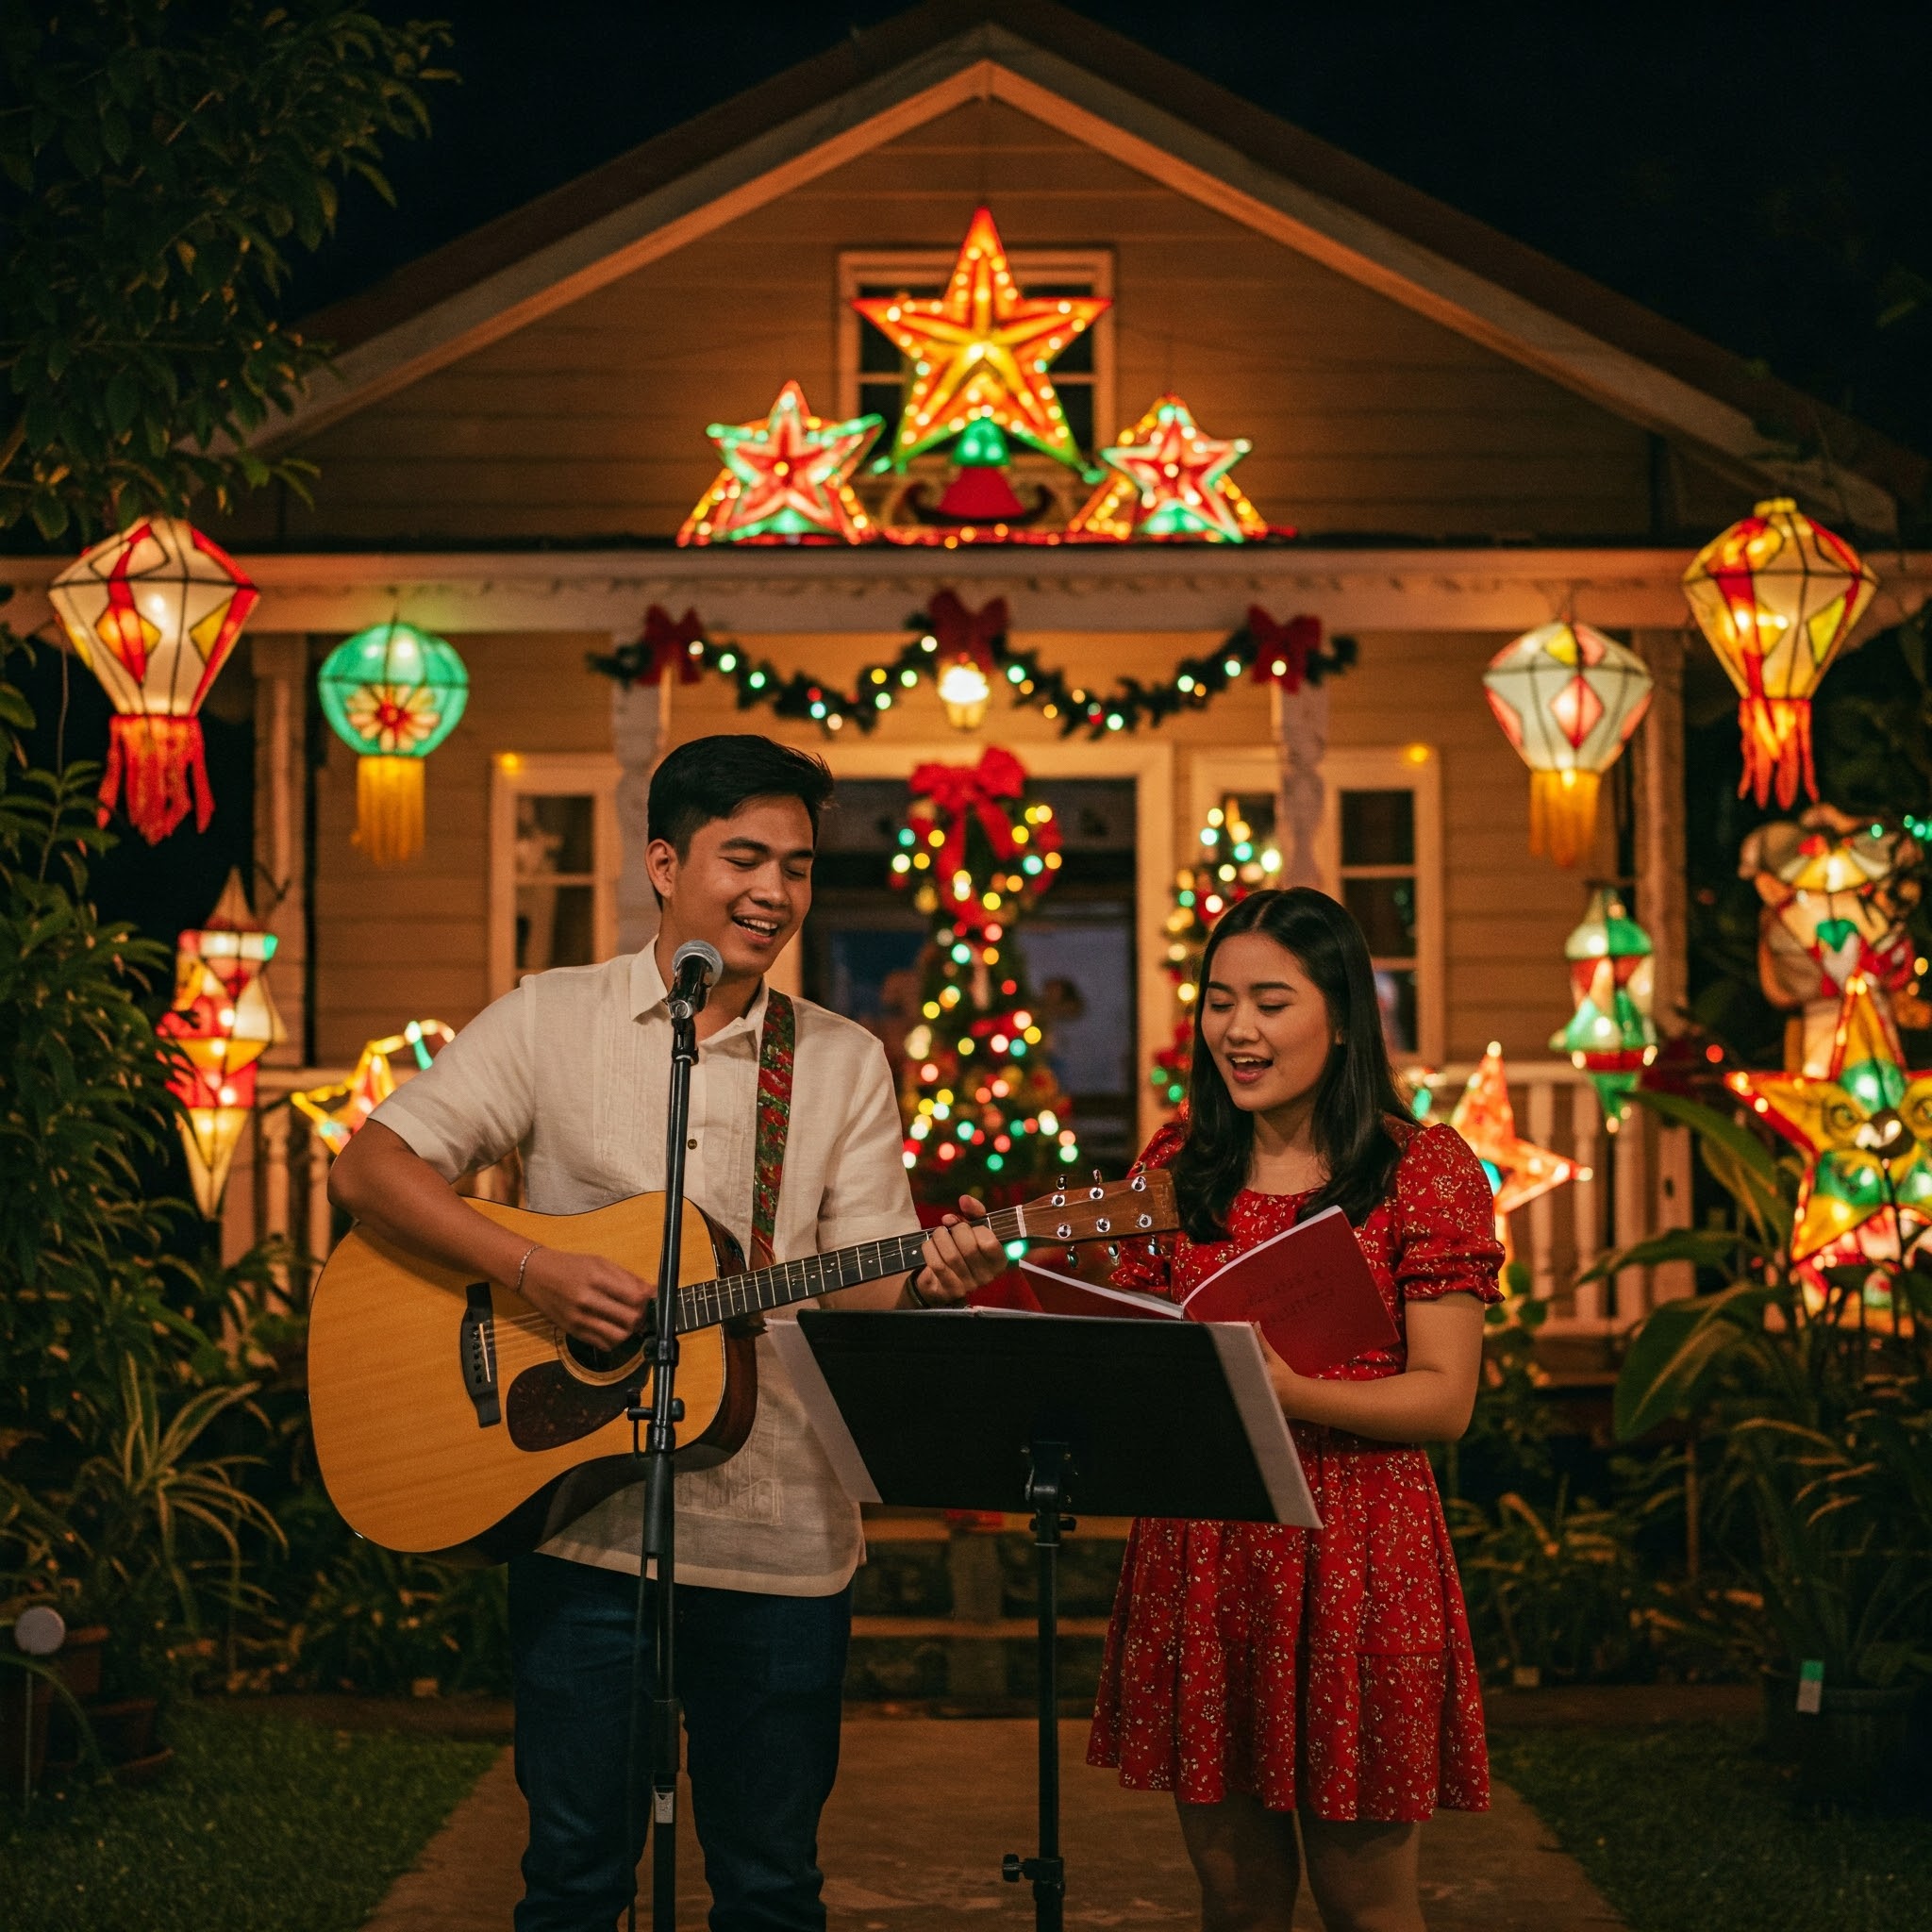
1357,1094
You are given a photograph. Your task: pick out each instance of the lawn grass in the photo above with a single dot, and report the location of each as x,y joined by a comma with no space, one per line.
261,1824
1688,1828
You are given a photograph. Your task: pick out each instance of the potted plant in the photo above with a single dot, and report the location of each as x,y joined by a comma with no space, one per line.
1822,1494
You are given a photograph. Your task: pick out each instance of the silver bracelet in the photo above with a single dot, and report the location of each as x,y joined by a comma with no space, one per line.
517,1286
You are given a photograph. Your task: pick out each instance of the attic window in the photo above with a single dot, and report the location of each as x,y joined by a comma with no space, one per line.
872,376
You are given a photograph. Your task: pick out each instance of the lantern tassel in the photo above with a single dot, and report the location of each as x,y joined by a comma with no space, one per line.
1562,814
1777,733
389,808
163,766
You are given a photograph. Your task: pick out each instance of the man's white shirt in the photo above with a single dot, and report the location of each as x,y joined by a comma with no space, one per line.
571,1069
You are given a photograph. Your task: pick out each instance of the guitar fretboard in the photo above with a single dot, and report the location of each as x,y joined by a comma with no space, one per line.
705,1304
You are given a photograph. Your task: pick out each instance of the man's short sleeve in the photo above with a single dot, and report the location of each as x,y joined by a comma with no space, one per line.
476,1100
867,1196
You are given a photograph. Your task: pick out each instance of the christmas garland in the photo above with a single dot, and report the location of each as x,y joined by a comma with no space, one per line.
947,633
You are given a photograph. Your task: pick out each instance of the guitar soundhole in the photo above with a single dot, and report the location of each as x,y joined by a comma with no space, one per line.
599,1364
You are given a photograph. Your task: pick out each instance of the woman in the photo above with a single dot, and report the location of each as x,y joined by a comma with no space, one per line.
1268,1675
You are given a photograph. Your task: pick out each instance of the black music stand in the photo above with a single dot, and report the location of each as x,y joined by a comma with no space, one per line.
987,1408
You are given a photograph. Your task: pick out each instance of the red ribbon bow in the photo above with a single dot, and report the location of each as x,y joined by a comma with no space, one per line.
979,791
667,645
1282,650
964,633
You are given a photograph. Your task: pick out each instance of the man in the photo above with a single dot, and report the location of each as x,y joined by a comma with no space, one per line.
571,1069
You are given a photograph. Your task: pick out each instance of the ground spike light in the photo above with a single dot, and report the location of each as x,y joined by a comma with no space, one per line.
392,694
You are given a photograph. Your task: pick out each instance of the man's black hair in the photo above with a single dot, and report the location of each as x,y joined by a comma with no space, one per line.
710,778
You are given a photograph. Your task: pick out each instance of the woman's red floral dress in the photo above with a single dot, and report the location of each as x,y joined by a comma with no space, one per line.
1321,1671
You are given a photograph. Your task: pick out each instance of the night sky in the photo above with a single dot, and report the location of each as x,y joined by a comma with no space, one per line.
1760,173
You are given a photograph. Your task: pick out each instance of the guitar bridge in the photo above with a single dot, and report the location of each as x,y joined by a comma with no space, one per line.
476,1346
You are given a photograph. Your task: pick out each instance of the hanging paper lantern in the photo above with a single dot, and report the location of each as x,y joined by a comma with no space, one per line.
221,1024
1568,699
980,351
153,613
785,479
392,694
1777,595
337,1111
1171,481
1612,1034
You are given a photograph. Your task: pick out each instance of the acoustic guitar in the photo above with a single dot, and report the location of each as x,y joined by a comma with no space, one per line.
452,1417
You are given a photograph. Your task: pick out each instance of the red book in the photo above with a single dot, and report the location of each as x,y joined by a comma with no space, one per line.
1310,1289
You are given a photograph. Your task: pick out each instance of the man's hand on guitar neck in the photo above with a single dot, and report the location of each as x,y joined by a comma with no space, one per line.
959,1256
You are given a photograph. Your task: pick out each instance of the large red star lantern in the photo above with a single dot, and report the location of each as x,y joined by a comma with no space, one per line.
1172,481
785,479
980,351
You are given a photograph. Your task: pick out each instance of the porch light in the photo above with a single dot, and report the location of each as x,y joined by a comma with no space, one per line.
964,692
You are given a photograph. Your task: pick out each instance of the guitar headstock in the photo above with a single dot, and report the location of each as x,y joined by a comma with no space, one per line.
1143,1204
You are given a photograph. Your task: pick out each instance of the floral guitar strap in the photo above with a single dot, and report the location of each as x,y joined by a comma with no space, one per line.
775,1044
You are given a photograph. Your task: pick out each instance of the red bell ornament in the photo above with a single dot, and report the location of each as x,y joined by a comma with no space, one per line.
1777,595
153,613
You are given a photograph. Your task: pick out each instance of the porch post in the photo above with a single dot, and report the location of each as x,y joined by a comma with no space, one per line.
1301,740
639,722
280,887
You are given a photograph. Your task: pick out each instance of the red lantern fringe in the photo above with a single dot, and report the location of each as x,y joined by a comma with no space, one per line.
162,763
1777,748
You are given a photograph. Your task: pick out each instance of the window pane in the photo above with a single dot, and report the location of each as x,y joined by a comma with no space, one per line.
555,927
1384,909
877,355
555,835
1395,995
884,399
1378,829
1077,359
1079,403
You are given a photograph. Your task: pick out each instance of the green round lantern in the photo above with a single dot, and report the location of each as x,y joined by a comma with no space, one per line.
392,694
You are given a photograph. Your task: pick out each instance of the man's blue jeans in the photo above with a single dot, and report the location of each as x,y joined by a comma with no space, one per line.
759,1679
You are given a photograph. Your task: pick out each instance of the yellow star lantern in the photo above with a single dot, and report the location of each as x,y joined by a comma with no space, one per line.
1865,1130
1171,481
336,1112
980,351
1519,1171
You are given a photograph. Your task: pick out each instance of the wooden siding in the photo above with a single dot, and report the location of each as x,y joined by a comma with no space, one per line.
589,422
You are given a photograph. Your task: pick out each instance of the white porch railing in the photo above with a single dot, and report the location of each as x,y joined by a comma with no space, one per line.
1638,1184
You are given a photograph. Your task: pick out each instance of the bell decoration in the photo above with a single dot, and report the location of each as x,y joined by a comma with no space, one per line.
1776,595
153,613
392,695
1568,699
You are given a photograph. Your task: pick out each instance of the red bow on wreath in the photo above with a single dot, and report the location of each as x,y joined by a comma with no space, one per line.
1282,650
961,792
964,633
666,645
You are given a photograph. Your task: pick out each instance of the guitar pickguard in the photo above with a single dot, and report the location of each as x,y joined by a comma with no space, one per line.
548,1406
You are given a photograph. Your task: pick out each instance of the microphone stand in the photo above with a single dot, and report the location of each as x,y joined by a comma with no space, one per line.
663,1413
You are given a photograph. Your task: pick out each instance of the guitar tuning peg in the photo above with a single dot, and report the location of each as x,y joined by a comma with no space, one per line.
1099,1177
1073,1256
1113,1251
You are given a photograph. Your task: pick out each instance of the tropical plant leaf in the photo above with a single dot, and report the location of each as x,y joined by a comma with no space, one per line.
1675,1348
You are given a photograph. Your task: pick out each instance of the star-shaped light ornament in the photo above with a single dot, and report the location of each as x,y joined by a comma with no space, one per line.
1865,1130
336,1113
1171,480
980,351
787,479
1519,1171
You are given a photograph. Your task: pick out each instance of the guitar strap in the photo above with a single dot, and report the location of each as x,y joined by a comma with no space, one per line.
775,1044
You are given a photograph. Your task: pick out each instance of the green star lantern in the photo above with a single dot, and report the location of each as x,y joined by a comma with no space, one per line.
392,694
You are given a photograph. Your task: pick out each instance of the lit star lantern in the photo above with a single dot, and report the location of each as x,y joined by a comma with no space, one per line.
1568,699
1610,1036
221,1024
1777,595
1519,1171
392,695
1866,1132
980,351
337,1112
785,479
1171,481
154,614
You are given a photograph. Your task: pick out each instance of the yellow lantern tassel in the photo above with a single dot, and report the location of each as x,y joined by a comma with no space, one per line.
1562,814
389,808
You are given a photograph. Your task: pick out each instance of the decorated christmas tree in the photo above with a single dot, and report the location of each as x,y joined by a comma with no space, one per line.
984,1114
1228,864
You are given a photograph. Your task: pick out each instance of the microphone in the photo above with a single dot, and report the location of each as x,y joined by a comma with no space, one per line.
693,967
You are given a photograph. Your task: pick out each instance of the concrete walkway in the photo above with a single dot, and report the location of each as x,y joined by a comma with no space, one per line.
924,1808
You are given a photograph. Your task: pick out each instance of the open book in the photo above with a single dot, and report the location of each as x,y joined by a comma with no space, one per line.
1309,1289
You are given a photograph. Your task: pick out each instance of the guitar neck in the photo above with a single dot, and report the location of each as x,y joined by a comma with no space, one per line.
705,1304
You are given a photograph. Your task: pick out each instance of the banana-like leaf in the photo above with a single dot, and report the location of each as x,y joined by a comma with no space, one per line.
1676,1347
1741,1164
1702,1247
